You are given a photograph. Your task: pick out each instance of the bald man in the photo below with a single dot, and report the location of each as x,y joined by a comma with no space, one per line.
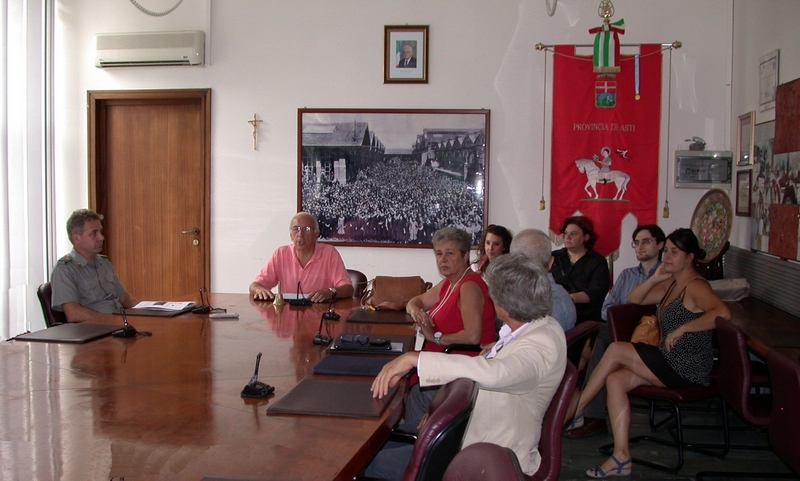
535,243
315,269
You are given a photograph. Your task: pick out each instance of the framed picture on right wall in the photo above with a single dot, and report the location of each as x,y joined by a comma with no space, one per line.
743,187
744,145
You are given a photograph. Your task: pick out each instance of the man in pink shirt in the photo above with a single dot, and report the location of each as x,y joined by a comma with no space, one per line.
317,269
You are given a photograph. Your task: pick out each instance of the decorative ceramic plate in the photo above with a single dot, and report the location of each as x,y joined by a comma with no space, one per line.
712,221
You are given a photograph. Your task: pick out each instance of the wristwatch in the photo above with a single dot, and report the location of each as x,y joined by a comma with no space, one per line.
437,336
333,291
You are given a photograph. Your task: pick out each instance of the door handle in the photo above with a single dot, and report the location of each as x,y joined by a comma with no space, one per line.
194,231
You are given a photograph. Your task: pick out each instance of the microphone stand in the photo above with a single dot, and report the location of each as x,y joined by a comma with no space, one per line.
256,388
127,330
203,308
328,315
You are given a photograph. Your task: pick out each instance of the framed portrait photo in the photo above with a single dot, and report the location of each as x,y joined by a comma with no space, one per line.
743,186
745,132
405,51
768,68
392,177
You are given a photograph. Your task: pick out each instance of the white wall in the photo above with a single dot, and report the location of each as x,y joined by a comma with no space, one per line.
758,29
272,57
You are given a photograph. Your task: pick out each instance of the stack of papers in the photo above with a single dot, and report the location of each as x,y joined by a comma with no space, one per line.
164,305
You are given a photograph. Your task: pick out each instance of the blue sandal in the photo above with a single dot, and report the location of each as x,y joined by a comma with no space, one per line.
577,422
598,473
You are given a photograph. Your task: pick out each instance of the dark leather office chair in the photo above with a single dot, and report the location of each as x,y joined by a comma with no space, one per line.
490,462
735,386
577,337
737,376
622,320
359,281
440,438
51,317
713,269
485,462
784,419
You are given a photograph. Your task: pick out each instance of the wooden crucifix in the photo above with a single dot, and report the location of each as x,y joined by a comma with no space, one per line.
255,123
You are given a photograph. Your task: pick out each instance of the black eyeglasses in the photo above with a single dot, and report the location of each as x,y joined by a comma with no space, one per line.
644,242
350,339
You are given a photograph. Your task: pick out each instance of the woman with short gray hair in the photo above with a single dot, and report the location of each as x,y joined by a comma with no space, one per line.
457,310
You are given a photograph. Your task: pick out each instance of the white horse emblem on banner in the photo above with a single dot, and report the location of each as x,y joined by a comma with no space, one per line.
593,176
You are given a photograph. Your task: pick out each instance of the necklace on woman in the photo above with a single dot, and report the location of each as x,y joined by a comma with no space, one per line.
450,291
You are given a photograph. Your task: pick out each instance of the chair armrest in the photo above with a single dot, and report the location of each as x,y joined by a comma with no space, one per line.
462,347
402,437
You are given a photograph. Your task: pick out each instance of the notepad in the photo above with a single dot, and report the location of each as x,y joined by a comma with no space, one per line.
328,397
74,332
351,365
296,299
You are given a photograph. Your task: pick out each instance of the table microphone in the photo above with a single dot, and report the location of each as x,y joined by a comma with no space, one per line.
127,330
321,339
203,308
256,388
330,314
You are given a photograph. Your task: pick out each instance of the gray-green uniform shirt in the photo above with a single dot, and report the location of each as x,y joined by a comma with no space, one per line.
93,285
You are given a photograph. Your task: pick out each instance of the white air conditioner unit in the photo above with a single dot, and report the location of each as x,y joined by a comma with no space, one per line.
149,48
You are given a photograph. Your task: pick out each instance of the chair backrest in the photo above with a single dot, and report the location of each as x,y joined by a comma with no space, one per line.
552,426
623,318
577,337
440,438
713,269
51,317
359,281
485,462
735,377
490,462
784,434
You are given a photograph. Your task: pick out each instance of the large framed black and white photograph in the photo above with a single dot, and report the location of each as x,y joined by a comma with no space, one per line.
392,177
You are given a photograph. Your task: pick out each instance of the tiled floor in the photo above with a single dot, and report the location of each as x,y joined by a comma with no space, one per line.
582,454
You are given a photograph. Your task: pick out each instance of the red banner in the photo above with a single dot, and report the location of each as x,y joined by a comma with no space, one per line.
605,141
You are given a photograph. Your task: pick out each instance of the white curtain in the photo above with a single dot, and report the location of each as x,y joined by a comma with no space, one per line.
24,110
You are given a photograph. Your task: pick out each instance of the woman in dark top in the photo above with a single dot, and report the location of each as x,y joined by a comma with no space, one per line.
687,309
580,270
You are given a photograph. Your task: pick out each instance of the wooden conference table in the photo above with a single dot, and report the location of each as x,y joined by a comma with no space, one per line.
169,406
767,327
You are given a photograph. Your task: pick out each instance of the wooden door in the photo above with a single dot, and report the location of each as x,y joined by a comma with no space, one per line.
149,162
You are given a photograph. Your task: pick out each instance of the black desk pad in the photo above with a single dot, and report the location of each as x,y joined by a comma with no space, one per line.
73,332
354,348
328,397
351,365
380,317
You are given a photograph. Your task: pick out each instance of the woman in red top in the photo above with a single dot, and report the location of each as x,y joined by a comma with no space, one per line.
457,310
